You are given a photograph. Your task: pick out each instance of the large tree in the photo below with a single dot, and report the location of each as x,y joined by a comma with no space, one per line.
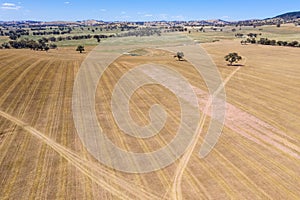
179,55
80,48
232,57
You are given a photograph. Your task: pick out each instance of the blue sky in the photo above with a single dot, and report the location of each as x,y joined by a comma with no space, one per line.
143,10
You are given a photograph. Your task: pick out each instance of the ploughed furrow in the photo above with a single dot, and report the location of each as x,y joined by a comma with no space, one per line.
143,146
86,167
107,84
274,178
256,157
46,98
268,86
22,158
269,139
176,189
40,178
143,117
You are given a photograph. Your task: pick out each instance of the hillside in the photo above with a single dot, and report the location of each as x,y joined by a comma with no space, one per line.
289,15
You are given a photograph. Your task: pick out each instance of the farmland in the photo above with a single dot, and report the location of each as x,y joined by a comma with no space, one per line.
256,157
287,32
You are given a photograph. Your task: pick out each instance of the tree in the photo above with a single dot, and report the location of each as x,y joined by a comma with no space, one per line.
293,44
251,41
232,57
273,42
53,46
179,55
98,38
280,43
5,45
243,42
80,48
47,48
13,37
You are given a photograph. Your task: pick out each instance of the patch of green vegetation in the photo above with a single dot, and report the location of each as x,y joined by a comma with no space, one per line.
165,39
3,39
205,37
287,32
71,43
97,30
76,31
139,52
212,34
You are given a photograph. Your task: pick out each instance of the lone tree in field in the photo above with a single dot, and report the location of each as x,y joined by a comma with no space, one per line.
80,48
232,57
179,55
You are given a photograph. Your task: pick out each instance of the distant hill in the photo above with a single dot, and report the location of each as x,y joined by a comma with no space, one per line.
289,16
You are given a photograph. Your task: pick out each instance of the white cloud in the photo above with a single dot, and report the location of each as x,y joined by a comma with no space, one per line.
178,17
10,6
123,17
103,10
148,15
225,17
67,2
163,16
123,12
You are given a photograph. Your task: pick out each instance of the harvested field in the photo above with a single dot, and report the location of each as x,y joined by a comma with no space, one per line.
256,157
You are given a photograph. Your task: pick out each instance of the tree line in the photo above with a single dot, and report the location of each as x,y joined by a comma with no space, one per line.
43,43
28,44
76,37
140,33
266,41
14,34
55,32
250,35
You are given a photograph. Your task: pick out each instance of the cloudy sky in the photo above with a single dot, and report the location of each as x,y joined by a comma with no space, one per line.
143,10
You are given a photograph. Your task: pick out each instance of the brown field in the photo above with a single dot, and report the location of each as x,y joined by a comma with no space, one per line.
257,156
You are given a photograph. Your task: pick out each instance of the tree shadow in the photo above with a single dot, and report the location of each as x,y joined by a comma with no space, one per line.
235,65
181,60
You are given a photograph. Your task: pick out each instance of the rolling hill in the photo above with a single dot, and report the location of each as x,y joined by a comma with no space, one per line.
289,15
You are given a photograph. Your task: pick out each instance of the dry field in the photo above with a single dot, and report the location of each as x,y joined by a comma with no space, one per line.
257,156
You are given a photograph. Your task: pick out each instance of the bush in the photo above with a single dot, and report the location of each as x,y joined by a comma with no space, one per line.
232,57
180,55
80,48
293,44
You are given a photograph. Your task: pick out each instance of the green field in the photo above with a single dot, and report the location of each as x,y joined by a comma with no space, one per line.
287,32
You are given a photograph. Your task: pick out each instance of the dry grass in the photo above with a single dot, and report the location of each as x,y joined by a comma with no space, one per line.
287,32
36,87
257,156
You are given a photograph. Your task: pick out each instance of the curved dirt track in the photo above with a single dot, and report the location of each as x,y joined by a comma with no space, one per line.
91,170
176,188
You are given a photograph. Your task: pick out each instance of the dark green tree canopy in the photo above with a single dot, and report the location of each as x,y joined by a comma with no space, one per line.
80,48
232,57
179,55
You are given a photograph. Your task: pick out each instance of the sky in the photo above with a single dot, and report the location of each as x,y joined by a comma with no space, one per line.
143,10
